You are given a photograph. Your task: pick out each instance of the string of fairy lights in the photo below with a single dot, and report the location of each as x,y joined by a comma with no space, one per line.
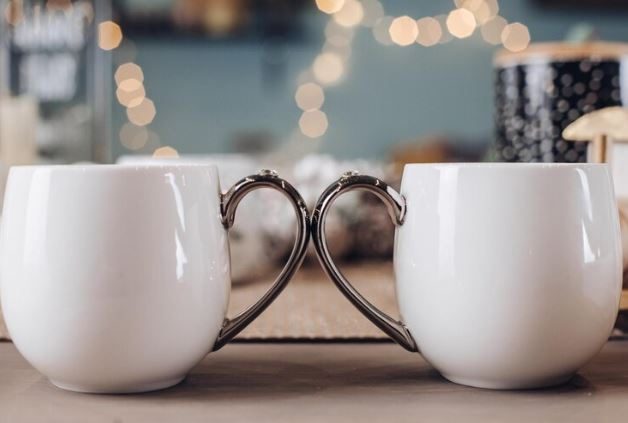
346,16
135,134
331,65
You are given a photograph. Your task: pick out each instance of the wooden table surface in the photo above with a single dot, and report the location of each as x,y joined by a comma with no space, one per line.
317,382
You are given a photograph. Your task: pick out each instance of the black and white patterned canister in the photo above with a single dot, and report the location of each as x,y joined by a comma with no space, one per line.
539,91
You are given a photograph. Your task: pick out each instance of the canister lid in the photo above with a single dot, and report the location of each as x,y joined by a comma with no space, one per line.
562,52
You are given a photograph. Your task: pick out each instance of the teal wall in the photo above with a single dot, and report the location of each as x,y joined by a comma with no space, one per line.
208,93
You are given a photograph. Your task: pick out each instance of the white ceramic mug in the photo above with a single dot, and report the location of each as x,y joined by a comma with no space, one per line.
508,275
247,242
116,278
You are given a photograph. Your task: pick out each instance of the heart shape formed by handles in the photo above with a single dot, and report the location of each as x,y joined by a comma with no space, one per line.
396,205
229,204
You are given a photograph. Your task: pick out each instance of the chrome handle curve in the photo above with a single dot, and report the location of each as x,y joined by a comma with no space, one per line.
396,206
229,204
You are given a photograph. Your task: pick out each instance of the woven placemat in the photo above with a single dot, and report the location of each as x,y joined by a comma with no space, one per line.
311,307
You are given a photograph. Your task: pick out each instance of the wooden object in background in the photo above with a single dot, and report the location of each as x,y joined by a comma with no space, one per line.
603,127
600,145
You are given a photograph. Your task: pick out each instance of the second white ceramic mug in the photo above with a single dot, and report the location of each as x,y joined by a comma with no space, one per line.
116,278
507,275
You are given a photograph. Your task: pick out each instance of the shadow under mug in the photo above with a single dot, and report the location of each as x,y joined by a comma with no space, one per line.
508,275
116,278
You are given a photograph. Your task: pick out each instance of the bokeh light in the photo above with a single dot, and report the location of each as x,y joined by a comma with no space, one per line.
461,23
328,68
492,30
338,41
304,76
430,31
329,6
344,52
109,35
133,137
313,123
166,152
128,71
130,84
130,98
338,35
483,10
350,14
446,35
373,10
403,31
143,113
309,96
515,37
380,31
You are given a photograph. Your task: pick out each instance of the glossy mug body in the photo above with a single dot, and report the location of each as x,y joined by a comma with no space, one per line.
507,275
117,278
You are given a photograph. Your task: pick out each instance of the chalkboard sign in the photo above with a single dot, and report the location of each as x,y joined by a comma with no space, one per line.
51,56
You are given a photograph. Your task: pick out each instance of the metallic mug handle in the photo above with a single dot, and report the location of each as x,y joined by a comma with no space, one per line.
396,208
229,204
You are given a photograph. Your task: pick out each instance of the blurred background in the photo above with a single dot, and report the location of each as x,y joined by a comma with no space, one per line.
349,78
311,88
